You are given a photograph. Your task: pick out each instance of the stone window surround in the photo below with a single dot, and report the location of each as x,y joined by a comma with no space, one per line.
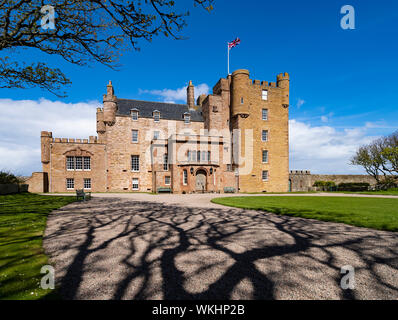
83,163
267,175
267,157
134,136
78,152
167,180
265,133
87,183
137,184
70,183
135,163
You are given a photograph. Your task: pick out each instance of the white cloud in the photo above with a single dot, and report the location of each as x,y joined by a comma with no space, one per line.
171,95
324,119
22,120
323,149
300,102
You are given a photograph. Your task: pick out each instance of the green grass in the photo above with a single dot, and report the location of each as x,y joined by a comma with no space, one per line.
381,193
376,213
22,222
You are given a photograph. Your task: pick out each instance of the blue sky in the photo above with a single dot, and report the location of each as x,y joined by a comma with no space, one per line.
343,82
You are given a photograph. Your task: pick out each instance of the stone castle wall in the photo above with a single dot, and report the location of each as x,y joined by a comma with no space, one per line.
304,180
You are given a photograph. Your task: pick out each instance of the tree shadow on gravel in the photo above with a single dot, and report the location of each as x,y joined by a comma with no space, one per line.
176,253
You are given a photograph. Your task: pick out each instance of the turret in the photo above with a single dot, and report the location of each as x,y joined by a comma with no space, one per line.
46,139
283,82
239,93
110,106
191,96
100,121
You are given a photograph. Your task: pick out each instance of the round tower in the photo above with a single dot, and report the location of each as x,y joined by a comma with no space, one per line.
191,96
283,81
239,93
110,106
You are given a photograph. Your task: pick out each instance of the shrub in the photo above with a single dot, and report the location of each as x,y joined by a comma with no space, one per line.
8,178
353,186
325,185
387,183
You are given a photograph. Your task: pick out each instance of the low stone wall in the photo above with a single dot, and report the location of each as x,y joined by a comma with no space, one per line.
304,180
13,188
38,182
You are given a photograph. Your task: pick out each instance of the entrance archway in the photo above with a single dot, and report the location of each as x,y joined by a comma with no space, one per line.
200,184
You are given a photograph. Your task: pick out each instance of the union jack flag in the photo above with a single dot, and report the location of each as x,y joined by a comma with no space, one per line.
233,43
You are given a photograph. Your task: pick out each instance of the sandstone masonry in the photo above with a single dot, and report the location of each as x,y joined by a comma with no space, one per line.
235,139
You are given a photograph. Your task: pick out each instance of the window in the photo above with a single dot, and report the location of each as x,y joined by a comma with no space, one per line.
264,114
241,100
87,163
155,135
79,163
193,156
204,154
264,135
198,156
264,95
167,180
187,118
134,115
135,163
156,116
166,162
134,136
185,177
229,167
208,155
70,183
265,175
265,156
70,163
135,184
87,183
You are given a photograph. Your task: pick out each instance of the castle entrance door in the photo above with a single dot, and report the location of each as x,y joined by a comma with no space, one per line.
201,180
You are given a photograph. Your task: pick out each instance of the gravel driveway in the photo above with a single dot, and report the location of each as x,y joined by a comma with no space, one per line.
146,247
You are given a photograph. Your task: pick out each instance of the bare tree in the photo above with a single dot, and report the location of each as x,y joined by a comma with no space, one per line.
84,31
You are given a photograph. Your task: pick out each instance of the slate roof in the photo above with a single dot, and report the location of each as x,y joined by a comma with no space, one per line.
169,111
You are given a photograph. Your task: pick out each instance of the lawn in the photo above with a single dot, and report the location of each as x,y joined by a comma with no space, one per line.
376,213
22,222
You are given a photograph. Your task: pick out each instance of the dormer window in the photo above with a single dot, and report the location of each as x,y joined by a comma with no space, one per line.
134,114
187,118
156,116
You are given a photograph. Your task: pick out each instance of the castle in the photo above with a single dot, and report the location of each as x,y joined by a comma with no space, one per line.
233,140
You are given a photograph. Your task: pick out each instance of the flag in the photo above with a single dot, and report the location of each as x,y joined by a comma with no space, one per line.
233,43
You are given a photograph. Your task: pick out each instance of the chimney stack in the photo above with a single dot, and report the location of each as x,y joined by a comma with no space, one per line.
191,96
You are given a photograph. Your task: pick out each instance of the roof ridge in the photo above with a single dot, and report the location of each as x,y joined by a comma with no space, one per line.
175,104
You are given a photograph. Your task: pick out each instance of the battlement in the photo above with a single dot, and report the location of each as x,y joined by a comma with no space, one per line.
283,76
300,172
90,140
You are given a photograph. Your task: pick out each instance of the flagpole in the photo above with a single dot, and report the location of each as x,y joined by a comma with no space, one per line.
228,56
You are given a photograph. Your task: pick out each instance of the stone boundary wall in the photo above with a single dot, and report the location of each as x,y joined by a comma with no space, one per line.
304,180
13,188
38,182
